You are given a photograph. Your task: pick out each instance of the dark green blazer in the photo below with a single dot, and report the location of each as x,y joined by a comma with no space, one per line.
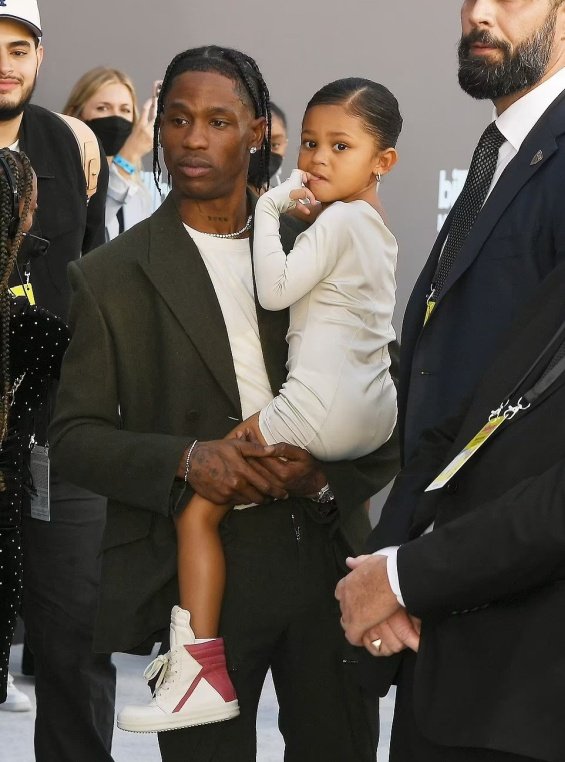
149,369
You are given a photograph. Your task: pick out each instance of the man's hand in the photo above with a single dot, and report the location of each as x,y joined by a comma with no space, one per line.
396,633
296,469
365,597
220,472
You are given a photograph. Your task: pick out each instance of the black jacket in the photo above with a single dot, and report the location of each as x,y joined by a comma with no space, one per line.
63,217
516,241
489,581
148,370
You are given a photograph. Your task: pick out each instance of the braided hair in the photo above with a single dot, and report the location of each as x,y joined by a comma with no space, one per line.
238,67
10,242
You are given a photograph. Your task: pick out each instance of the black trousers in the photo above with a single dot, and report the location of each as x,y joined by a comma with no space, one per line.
280,612
407,744
10,594
75,688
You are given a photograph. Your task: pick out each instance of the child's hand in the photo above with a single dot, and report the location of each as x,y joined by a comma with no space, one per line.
292,190
303,195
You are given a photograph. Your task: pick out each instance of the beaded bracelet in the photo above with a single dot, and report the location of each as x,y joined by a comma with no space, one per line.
187,461
124,164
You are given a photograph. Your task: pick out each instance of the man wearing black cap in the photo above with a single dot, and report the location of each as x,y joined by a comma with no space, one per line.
74,688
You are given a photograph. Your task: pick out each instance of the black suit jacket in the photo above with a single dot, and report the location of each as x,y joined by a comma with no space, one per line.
516,241
148,370
63,216
489,581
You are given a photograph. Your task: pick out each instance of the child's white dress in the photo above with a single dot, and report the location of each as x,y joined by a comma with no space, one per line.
339,400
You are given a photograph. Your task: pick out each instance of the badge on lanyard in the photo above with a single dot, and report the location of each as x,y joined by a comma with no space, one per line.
429,309
430,303
506,411
39,467
26,289
466,453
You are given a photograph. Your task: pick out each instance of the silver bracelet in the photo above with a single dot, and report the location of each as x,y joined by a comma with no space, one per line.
187,461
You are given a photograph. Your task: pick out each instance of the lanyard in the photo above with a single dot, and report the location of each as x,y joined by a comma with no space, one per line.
25,289
435,287
554,370
506,411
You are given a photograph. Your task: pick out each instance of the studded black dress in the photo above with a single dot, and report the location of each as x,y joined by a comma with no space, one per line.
38,341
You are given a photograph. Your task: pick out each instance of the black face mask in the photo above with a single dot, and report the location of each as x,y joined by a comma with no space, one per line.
254,174
112,131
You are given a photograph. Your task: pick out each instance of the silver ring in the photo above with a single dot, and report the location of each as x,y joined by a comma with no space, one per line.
377,644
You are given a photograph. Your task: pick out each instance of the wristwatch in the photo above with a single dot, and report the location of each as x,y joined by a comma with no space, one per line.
325,495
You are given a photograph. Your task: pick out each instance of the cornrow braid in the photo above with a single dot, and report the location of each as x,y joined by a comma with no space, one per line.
238,67
22,173
5,218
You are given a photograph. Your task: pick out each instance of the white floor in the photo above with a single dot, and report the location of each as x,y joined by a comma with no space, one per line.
16,729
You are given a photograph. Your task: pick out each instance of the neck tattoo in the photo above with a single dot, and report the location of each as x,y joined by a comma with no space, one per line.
237,233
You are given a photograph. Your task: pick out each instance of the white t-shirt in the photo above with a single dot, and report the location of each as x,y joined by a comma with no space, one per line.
229,266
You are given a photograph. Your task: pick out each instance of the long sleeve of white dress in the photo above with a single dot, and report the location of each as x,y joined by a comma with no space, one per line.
339,400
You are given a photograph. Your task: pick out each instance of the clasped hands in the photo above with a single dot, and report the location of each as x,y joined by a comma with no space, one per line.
239,471
370,611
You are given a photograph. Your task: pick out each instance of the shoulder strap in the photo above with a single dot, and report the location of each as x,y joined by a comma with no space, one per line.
89,151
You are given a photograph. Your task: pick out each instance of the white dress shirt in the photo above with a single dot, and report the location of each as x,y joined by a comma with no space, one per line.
138,198
515,123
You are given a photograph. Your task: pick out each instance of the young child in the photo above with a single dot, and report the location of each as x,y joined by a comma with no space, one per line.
338,402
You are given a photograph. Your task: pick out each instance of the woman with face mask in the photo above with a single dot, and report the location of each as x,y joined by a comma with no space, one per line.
105,100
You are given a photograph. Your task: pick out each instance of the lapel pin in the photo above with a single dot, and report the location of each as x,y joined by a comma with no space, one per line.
537,158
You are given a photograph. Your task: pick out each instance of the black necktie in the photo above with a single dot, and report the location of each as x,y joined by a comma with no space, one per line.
470,202
121,222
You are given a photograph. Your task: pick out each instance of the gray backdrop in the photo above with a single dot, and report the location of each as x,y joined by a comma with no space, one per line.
408,45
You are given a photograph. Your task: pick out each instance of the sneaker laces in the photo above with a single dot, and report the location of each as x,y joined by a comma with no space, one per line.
158,668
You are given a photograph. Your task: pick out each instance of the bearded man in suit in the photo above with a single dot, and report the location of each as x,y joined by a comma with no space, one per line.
505,233
487,583
503,238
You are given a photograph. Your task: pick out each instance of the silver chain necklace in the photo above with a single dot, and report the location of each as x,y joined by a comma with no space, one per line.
237,233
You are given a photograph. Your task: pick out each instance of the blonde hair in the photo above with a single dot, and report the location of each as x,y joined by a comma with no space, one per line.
89,84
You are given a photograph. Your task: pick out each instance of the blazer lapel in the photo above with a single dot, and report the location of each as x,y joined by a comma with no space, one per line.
540,142
175,267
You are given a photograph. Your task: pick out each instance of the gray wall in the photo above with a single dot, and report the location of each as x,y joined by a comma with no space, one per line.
408,45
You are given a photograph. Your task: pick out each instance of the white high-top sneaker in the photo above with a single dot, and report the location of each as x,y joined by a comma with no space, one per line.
193,686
